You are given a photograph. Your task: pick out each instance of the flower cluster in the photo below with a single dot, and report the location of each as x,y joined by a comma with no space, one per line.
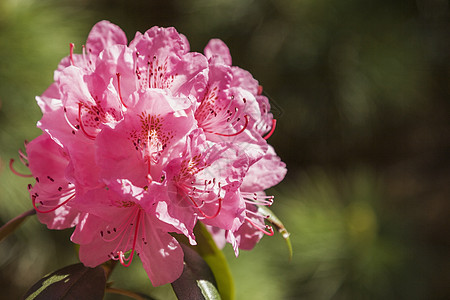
146,139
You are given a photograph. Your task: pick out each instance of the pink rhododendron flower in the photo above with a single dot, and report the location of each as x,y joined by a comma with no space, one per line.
146,139
52,191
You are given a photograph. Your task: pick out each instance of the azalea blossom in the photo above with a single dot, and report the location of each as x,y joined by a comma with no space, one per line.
145,139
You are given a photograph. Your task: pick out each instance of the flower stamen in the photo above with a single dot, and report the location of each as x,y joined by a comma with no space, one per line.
274,124
120,230
11,167
75,128
118,88
129,259
71,54
254,198
80,105
52,209
23,158
203,213
236,133
269,228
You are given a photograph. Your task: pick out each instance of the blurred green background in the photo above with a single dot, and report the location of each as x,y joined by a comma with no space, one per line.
361,93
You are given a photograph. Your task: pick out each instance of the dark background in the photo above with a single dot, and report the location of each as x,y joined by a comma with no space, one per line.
361,93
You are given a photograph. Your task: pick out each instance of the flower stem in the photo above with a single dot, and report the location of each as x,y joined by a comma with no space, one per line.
109,267
127,293
13,224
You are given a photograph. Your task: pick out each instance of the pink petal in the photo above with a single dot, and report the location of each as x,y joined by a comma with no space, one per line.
103,35
162,256
132,149
207,178
174,218
163,62
247,236
94,250
48,163
82,169
87,229
185,42
265,173
101,202
230,216
118,59
102,239
244,79
218,235
62,218
159,42
191,75
264,124
218,49
91,92
117,157
52,120
47,158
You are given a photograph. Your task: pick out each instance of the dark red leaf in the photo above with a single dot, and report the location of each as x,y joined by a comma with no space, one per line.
197,281
71,282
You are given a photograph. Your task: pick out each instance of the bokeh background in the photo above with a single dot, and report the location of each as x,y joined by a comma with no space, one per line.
360,89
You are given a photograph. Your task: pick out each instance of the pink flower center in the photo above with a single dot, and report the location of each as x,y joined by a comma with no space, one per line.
151,139
220,120
156,73
89,118
190,189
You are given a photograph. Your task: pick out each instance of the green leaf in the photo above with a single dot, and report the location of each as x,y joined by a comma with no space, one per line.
273,219
71,282
197,281
216,260
13,224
